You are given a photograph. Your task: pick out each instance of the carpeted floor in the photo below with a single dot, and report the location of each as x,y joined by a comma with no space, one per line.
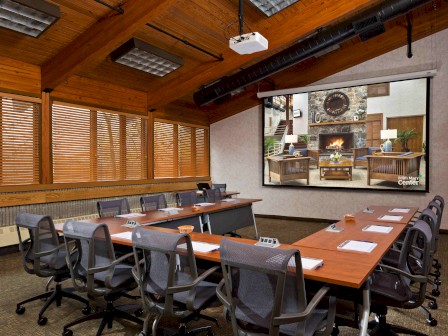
17,285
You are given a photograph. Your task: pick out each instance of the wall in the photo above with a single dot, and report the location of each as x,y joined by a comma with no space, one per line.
236,151
300,125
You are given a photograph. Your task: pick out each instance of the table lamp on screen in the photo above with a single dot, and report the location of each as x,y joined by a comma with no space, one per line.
291,138
387,135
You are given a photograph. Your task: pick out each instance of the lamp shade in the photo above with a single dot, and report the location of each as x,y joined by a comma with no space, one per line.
291,138
388,134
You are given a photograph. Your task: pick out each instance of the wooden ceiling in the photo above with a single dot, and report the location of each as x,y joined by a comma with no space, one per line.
80,42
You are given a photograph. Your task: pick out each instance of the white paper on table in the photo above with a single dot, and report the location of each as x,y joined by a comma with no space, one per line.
169,209
123,235
230,200
131,215
357,245
204,204
201,247
402,210
307,263
390,218
378,228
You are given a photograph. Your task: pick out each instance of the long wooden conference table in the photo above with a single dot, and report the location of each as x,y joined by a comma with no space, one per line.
345,268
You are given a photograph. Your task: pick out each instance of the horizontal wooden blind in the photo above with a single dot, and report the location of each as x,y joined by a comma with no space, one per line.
180,150
19,142
71,137
91,145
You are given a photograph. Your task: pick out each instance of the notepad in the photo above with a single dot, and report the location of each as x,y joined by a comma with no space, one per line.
402,210
169,209
393,218
357,245
378,228
204,204
230,200
131,215
307,263
123,235
201,247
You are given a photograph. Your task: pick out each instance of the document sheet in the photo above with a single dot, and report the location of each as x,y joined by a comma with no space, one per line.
401,210
357,245
131,215
123,235
307,263
389,218
378,228
201,247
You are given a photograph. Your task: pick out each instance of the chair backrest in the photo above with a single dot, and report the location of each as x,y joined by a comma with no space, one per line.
440,200
258,288
432,215
95,249
168,261
212,195
221,186
203,185
40,252
416,258
111,208
185,198
153,202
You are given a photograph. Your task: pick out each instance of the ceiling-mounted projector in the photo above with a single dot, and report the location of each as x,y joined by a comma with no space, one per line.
248,43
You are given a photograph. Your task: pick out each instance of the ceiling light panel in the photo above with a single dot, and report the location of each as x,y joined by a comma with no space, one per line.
144,57
271,7
29,17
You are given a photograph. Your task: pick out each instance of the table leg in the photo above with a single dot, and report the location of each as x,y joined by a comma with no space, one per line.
363,324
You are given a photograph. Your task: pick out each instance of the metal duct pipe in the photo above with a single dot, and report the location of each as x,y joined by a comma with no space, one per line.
366,25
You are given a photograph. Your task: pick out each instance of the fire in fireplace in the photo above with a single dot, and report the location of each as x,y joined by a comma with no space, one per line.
342,142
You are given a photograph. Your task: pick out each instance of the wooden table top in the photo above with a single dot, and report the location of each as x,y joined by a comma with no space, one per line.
223,194
341,163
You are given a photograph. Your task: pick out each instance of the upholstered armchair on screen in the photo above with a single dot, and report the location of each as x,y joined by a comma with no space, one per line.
313,154
359,155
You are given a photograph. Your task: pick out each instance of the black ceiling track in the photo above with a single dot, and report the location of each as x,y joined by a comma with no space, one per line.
365,25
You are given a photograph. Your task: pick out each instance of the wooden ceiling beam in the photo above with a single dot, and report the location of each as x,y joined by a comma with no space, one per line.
100,39
281,35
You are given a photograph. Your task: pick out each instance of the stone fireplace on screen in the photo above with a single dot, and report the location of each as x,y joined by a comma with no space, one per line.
329,142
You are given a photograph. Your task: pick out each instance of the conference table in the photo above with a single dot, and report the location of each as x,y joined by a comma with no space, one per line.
351,269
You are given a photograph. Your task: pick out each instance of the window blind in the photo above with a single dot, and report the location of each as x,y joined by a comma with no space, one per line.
91,145
19,144
180,150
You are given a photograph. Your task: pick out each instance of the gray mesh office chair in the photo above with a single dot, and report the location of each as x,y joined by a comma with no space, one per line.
212,195
168,280
186,198
403,286
100,274
43,256
262,299
221,186
153,202
111,208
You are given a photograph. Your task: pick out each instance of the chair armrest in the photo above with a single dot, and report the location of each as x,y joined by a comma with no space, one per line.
112,264
48,252
183,288
412,277
221,296
298,317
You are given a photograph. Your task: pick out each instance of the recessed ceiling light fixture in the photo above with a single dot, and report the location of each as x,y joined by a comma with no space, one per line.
144,57
29,17
271,7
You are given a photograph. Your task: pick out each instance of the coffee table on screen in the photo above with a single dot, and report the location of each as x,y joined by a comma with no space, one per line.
342,170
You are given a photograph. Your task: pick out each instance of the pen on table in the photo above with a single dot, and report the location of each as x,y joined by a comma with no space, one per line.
367,241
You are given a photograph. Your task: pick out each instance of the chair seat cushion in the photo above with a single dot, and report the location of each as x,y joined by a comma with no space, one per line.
389,289
122,274
361,158
205,291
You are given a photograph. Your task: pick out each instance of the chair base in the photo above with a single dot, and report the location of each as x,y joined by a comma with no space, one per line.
108,316
380,327
55,295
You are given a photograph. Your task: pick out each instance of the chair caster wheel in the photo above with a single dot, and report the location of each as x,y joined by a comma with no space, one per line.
433,305
42,321
86,310
437,274
20,310
432,322
67,332
138,313
438,282
435,292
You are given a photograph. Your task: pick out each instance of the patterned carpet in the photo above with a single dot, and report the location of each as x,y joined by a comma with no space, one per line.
17,285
